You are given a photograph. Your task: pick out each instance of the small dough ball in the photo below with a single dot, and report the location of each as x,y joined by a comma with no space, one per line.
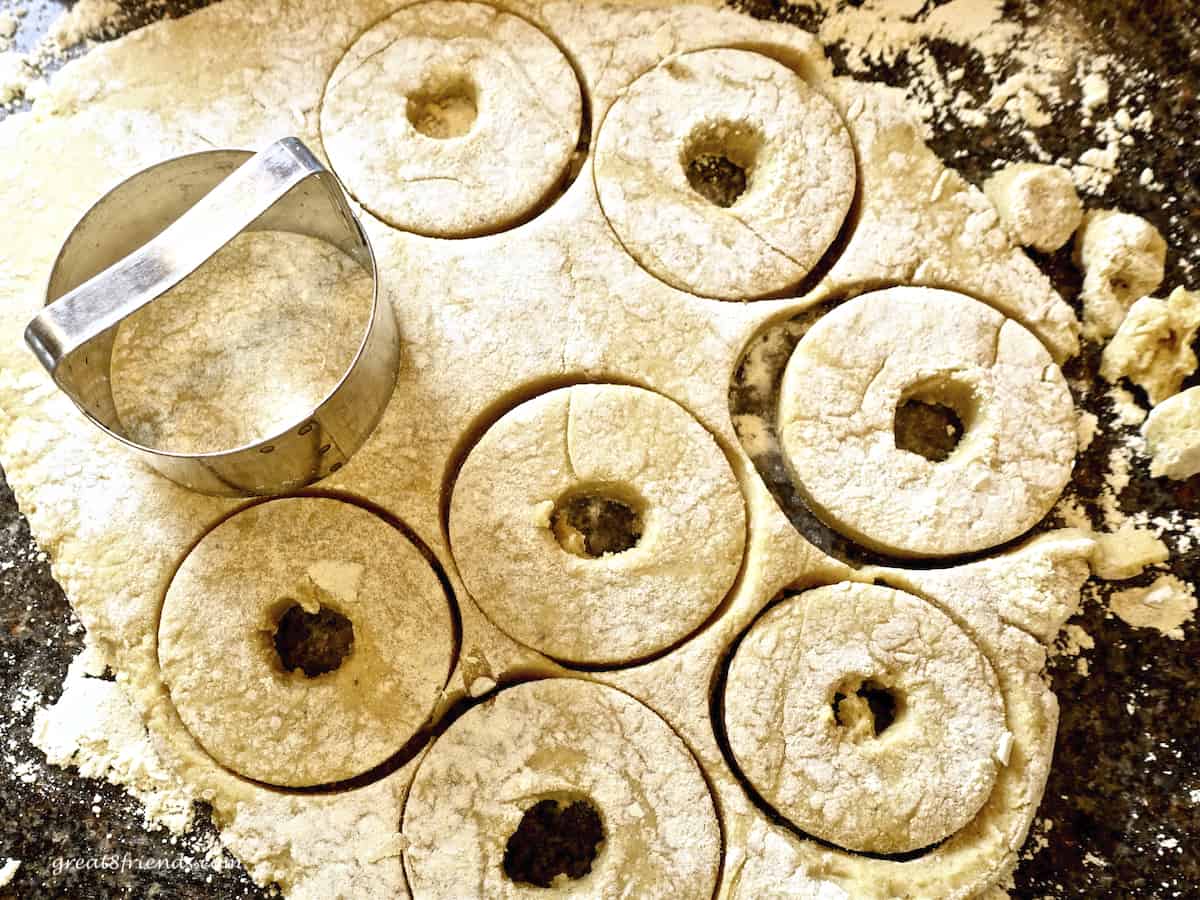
866,717
304,641
452,119
1123,259
1037,204
557,755
725,174
1172,432
881,363
1153,346
225,358
597,524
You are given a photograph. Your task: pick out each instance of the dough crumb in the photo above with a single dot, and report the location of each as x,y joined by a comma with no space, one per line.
1165,605
1172,433
1123,259
1126,552
8,871
1152,348
1085,429
15,76
1037,204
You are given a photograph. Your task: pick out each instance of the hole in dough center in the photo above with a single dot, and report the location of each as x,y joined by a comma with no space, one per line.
718,160
932,418
867,709
315,643
555,838
446,107
596,522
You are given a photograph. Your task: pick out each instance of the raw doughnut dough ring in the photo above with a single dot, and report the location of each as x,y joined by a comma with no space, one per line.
227,681
472,146
616,441
564,739
757,114
860,362
920,779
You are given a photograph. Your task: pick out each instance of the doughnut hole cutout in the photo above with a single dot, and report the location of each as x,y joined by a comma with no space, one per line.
562,781
857,380
479,146
724,174
304,641
599,524
866,717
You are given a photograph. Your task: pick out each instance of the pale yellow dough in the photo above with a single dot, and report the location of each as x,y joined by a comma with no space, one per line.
1172,432
483,321
628,443
921,778
837,409
1153,346
761,116
1123,258
452,119
568,740
219,661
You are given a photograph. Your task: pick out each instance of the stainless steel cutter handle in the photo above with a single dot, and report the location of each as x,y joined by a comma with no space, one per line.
154,230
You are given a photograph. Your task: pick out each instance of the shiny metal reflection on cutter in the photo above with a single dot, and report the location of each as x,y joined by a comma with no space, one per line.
150,233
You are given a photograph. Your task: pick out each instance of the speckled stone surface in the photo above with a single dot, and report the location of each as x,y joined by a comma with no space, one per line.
1121,816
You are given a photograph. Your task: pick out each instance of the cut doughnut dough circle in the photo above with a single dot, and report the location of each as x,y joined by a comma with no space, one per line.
531,573
434,123
565,740
800,713
870,356
752,119
219,652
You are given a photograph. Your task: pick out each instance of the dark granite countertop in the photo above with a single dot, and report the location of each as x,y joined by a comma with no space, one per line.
1127,765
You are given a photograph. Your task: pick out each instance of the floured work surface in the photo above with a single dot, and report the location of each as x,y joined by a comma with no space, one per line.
490,325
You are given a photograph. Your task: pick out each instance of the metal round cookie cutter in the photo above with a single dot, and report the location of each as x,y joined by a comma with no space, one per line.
150,233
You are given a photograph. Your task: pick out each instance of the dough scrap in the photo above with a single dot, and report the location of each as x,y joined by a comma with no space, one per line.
1153,346
242,348
1164,606
858,364
918,781
1123,259
761,117
562,739
1037,204
452,119
1172,432
624,442
216,641
1126,552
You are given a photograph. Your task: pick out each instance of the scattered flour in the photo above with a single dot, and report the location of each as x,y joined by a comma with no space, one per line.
1165,605
94,728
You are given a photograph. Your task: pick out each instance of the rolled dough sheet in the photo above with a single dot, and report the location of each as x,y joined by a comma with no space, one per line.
486,323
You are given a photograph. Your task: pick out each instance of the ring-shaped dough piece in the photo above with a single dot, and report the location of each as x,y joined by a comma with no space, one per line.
568,740
924,776
436,123
852,371
216,641
755,113
628,443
